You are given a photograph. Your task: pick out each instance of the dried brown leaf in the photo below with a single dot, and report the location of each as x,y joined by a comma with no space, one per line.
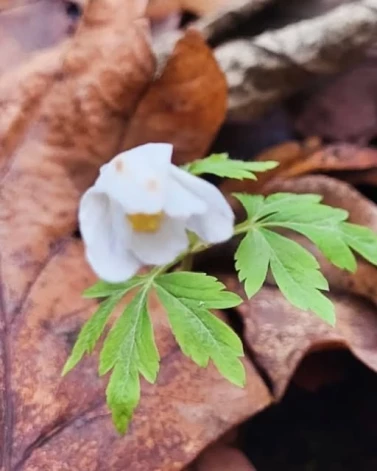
184,412
158,9
185,105
337,157
280,335
27,26
262,70
223,458
63,115
218,23
346,161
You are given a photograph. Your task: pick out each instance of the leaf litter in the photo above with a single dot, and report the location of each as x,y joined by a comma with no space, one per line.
68,109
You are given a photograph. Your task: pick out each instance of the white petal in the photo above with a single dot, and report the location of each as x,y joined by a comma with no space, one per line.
212,227
106,237
216,224
182,203
160,247
137,179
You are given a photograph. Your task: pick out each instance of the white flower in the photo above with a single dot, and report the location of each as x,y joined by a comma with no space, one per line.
139,209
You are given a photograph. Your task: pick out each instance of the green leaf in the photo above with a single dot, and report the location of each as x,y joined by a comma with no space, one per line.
282,201
253,204
257,206
102,289
252,259
320,224
222,166
207,290
362,240
295,270
200,334
91,332
297,275
304,213
130,350
123,394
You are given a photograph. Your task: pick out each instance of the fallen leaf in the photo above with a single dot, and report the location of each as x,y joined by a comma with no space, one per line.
223,458
337,157
363,177
261,70
63,114
27,26
158,9
280,335
346,161
185,105
182,413
221,23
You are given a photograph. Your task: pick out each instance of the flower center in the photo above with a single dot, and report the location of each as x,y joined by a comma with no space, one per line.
145,222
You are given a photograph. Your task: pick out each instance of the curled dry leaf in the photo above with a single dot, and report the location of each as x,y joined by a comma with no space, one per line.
63,115
337,157
361,211
262,70
185,105
280,335
218,23
346,161
223,458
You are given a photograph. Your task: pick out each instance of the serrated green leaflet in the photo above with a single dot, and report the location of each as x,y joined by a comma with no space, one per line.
91,332
295,270
362,240
320,224
207,289
258,206
297,275
102,289
222,166
94,327
253,205
252,260
199,333
130,350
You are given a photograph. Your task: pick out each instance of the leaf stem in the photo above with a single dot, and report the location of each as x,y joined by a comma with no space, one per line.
187,262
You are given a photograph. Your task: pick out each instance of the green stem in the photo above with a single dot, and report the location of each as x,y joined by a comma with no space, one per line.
187,262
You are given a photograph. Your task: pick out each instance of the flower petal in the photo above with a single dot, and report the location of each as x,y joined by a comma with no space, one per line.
182,203
163,246
137,179
106,237
216,224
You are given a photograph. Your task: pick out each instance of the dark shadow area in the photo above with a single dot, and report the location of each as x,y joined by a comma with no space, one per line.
332,429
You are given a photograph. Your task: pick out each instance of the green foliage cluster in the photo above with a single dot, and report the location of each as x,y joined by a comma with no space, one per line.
129,350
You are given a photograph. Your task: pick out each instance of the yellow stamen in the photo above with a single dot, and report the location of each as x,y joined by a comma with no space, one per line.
145,222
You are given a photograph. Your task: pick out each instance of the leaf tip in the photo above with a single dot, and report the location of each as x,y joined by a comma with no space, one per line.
68,366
